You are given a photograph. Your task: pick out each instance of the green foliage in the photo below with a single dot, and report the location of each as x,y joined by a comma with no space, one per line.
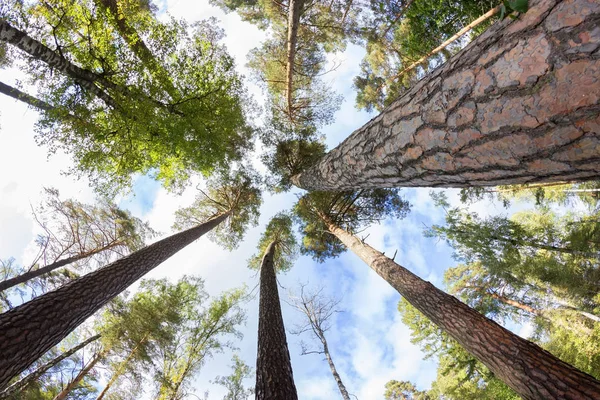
287,158
460,375
197,340
280,231
564,194
508,6
228,191
183,112
533,248
349,210
403,390
234,383
393,44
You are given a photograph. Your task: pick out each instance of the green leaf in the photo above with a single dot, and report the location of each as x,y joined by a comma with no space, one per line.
519,5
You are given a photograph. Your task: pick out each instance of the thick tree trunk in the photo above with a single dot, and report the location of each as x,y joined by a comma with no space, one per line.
25,98
519,104
28,331
334,372
82,374
525,367
274,377
8,283
22,383
41,52
295,10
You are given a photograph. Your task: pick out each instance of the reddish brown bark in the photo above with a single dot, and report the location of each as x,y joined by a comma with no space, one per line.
525,367
274,377
28,331
519,104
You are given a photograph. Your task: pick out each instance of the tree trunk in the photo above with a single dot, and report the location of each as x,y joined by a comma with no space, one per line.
519,104
22,383
334,372
295,10
274,377
25,98
28,331
8,283
525,367
41,52
82,374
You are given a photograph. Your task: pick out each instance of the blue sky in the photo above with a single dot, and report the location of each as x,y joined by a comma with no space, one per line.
370,345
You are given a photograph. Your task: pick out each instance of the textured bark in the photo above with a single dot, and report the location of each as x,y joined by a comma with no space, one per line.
334,372
25,98
41,52
274,377
22,383
525,367
82,374
28,331
8,283
295,10
519,104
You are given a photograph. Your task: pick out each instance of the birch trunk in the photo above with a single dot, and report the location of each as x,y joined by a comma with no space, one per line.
519,104
28,331
274,377
528,369
41,52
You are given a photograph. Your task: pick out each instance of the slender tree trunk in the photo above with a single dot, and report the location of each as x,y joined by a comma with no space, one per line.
295,10
25,98
41,52
28,331
528,369
82,374
334,372
274,377
22,383
121,368
519,104
8,283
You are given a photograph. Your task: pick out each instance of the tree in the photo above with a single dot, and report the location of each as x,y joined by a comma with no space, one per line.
401,36
57,313
274,377
199,337
317,309
403,390
459,374
532,249
22,383
235,382
188,117
136,330
525,367
74,232
235,190
455,128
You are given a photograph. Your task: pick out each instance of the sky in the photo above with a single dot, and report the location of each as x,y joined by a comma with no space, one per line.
368,341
